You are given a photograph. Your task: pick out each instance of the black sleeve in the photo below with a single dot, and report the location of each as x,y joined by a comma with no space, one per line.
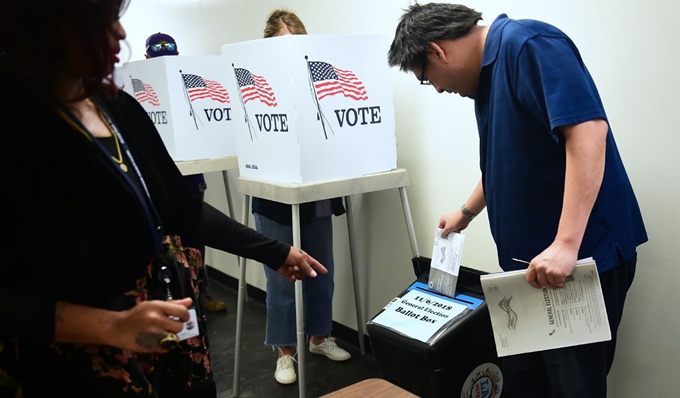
26,315
25,312
219,231
195,221
178,209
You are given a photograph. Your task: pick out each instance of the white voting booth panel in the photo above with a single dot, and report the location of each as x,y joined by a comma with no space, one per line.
187,99
312,108
118,77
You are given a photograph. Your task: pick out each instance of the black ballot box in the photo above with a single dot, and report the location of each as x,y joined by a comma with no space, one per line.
459,360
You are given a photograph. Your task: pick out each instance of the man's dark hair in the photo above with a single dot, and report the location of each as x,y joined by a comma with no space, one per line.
423,24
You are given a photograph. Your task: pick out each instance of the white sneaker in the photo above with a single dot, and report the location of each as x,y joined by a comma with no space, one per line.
285,370
330,349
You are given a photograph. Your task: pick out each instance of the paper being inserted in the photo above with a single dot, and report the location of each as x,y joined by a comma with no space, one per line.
445,265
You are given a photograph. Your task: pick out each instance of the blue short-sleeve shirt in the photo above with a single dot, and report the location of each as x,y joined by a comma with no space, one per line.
533,81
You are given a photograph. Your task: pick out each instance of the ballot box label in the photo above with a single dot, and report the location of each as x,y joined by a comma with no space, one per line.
418,314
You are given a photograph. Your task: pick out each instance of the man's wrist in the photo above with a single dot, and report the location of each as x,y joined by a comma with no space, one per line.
467,213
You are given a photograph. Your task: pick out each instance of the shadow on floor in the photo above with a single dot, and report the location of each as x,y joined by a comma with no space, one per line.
258,362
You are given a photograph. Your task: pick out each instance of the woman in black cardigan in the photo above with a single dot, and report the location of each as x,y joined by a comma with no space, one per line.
97,270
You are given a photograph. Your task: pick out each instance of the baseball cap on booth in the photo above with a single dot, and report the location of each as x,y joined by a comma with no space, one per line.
159,44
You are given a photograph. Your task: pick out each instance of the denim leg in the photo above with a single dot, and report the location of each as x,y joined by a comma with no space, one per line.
280,310
317,240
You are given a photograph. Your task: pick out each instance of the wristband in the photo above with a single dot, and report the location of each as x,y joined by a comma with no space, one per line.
467,213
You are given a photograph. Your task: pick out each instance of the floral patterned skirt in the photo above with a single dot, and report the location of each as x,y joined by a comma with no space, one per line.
28,370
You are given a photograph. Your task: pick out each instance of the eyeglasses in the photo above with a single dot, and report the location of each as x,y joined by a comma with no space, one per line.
160,46
423,80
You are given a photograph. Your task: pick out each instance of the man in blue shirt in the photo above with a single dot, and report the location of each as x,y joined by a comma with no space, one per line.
552,178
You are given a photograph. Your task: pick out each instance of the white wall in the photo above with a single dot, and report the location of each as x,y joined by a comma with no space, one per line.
632,50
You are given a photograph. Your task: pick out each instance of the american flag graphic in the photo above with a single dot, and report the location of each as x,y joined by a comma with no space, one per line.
329,80
144,92
198,87
254,87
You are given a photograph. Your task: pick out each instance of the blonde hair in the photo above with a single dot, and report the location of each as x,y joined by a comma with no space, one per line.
280,19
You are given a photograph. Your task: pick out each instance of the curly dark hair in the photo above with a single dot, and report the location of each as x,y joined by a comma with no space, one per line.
36,35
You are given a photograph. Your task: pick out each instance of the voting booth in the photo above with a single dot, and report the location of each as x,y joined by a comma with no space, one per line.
187,99
437,346
312,108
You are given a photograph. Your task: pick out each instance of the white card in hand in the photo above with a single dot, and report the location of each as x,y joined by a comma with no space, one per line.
445,263
447,252
190,327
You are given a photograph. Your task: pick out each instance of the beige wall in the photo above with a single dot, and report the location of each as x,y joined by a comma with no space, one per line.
631,48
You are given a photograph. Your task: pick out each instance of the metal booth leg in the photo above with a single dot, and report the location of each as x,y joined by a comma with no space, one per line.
230,203
299,309
239,308
355,274
409,221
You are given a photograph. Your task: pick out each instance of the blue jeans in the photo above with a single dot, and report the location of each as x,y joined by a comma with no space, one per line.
572,372
317,240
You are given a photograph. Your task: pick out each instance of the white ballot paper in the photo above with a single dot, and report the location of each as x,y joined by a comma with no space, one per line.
527,319
418,314
445,264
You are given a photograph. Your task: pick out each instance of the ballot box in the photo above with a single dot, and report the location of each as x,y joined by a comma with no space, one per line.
437,346
312,108
187,99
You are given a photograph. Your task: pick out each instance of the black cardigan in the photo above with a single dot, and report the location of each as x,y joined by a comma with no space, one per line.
76,231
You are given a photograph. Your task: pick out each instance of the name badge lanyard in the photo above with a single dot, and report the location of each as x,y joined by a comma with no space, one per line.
150,210
152,217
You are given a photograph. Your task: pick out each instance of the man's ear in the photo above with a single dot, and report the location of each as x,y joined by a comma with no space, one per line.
437,51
